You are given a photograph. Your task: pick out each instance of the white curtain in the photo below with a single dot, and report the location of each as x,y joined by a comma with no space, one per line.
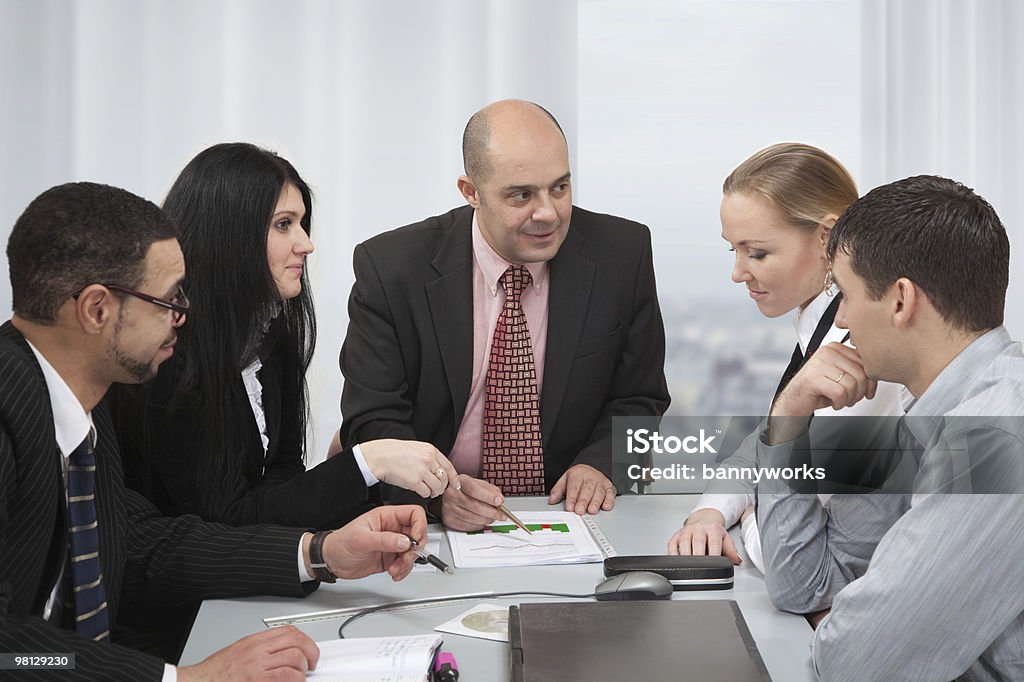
943,93
366,98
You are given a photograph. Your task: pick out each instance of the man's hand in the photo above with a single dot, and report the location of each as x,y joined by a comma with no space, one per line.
410,464
282,653
471,505
586,490
702,533
375,542
834,376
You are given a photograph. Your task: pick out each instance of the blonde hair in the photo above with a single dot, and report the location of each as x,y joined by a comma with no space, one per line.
805,182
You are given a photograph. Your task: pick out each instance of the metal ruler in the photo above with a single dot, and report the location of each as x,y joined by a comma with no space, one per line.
404,605
599,536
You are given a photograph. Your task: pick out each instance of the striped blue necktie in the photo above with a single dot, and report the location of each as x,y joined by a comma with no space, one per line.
91,618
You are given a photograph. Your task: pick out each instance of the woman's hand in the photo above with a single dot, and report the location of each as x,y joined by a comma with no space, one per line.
704,533
410,464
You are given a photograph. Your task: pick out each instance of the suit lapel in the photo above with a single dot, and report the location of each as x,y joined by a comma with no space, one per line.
109,506
57,557
53,495
571,280
450,298
11,332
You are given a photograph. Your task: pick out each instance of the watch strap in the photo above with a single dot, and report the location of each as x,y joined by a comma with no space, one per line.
316,558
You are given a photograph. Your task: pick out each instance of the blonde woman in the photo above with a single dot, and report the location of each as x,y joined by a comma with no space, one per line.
777,211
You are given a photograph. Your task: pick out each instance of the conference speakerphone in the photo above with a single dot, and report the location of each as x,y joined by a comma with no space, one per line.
684,572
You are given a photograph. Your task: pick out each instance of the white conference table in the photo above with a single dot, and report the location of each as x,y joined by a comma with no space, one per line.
639,524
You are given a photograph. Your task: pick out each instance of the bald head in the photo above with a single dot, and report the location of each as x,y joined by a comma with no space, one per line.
494,123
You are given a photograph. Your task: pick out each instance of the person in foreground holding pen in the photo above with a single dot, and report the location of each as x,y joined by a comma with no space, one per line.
923,265
96,277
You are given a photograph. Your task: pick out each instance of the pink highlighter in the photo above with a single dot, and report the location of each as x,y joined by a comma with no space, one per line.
445,669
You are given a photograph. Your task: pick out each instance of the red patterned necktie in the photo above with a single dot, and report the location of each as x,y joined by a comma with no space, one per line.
513,453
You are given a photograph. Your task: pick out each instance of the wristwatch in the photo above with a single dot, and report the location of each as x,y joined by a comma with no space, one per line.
316,558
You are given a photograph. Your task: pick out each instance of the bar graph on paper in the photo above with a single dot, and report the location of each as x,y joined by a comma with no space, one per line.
557,538
533,527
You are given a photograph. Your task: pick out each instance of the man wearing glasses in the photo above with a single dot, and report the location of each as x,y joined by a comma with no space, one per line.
141,369
96,277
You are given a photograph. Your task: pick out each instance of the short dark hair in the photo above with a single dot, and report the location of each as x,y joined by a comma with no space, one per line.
940,235
75,235
477,136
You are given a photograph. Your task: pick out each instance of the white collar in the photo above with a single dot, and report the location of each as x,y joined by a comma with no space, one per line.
71,423
806,321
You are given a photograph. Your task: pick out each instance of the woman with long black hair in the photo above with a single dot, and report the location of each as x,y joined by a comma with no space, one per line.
221,431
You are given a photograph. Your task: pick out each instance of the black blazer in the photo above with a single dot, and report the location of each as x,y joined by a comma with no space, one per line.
407,358
147,558
164,449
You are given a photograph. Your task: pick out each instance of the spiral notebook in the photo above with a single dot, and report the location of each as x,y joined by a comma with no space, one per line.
375,659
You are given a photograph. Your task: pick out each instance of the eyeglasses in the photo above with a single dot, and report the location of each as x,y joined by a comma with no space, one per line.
178,306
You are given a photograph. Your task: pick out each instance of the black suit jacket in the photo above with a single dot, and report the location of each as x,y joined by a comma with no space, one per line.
164,448
147,558
407,358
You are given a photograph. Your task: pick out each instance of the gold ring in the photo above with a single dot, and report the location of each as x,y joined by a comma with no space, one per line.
840,379
440,472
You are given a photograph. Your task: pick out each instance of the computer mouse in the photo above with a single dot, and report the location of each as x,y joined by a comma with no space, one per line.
634,585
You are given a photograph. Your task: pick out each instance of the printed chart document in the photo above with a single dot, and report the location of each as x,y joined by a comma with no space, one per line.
558,537
375,659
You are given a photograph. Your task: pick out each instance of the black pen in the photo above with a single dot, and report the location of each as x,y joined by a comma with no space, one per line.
429,558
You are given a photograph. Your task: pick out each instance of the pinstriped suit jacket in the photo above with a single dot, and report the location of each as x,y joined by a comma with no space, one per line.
147,558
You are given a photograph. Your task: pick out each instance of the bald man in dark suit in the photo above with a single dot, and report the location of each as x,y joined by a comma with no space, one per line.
425,355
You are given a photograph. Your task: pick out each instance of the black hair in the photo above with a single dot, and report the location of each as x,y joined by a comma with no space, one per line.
78,234
223,201
940,235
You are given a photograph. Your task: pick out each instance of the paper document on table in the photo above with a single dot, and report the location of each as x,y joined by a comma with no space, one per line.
375,659
558,538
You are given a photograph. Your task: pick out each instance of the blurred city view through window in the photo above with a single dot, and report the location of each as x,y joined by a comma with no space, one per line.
673,96
727,363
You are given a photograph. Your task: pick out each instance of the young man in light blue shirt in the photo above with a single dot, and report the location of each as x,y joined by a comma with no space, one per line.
923,264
